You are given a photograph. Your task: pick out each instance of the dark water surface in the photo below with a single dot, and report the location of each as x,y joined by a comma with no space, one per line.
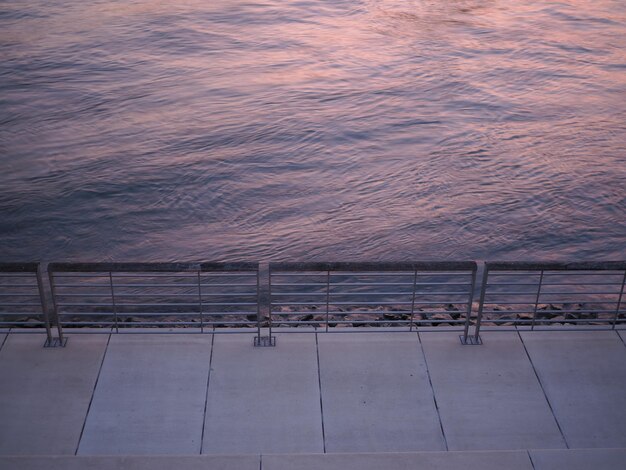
284,130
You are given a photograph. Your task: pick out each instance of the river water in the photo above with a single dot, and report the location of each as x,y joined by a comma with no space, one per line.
312,130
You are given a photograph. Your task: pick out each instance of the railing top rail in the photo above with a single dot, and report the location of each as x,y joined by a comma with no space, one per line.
151,267
555,266
19,267
241,266
375,266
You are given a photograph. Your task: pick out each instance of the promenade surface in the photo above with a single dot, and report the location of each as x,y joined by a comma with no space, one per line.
522,400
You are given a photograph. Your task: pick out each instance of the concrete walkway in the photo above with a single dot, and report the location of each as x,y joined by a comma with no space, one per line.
541,399
575,459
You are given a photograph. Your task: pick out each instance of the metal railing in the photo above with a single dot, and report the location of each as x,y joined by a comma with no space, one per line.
122,297
22,299
226,297
538,294
397,296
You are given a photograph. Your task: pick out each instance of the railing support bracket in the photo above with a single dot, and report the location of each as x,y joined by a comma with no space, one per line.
55,343
264,341
470,340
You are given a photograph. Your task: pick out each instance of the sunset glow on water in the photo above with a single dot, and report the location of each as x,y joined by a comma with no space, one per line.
305,130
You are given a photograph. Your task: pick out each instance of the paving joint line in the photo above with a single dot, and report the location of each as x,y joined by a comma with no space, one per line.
558,425
432,388
5,339
319,382
530,457
206,396
616,332
93,393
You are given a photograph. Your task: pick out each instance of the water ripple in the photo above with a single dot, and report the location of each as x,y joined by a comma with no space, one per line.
355,129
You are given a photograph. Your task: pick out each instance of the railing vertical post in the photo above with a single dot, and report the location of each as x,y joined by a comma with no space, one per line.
327,298
264,340
479,316
113,301
259,315
44,310
61,341
413,299
468,311
200,303
269,303
619,301
532,326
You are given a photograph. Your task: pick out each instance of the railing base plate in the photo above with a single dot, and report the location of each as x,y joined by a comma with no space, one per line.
264,341
55,343
471,340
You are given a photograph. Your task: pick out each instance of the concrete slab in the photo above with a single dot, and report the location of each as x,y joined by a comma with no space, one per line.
45,392
198,462
488,396
579,459
263,399
150,396
514,460
376,394
584,376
